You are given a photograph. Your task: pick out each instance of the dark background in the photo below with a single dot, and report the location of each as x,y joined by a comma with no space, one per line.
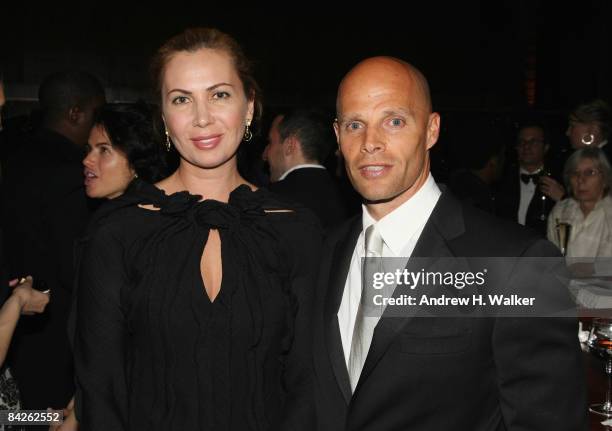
487,61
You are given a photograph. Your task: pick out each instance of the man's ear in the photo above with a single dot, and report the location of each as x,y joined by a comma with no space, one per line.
337,132
75,114
290,145
433,129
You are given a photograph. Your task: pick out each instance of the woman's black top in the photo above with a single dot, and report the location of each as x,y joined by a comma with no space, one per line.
152,352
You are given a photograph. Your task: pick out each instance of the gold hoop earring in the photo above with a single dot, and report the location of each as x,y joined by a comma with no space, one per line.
168,142
248,135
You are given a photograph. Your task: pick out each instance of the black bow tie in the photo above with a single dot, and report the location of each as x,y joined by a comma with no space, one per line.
530,177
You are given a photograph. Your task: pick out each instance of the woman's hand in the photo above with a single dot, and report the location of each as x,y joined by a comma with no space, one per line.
23,300
70,422
30,300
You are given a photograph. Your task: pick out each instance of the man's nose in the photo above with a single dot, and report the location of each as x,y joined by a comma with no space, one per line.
373,141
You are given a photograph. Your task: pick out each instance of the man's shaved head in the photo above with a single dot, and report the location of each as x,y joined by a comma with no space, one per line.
391,68
385,128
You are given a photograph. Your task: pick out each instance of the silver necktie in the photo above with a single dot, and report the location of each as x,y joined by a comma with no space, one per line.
364,325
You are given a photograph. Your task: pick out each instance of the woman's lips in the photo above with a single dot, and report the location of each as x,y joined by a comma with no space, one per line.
206,142
89,177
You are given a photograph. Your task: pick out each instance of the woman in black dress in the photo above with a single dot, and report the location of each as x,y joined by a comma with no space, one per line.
194,295
121,147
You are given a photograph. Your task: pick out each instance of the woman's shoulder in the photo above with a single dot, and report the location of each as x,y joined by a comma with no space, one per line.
606,201
297,231
606,205
143,206
124,213
285,213
565,205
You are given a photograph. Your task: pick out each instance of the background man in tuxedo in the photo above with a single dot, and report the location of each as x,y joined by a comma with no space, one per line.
419,373
298,144
531,189
484,165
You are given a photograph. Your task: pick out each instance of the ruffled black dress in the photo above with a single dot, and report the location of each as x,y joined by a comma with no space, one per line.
152,352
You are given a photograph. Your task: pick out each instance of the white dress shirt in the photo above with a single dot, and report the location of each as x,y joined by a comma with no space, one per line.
590,236
296,167
527,192
400,231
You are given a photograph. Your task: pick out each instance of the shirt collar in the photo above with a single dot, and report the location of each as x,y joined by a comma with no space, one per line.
296,167
524,171
399,226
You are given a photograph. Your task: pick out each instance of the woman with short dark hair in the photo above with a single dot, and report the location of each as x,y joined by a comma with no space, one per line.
122,145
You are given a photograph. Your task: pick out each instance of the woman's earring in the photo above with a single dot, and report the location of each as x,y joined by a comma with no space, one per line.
168,143
248,135
589,141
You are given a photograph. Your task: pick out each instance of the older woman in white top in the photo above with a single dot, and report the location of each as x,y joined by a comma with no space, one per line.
588,177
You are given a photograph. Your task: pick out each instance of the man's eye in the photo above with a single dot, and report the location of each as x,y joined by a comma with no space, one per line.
396,122
353,125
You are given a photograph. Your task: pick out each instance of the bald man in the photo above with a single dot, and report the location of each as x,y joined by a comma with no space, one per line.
379,373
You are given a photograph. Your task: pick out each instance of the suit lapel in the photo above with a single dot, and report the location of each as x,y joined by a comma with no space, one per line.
515,194
341,261
445,222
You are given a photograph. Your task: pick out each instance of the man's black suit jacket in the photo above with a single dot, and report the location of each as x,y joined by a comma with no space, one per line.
508,200
449,373
315,189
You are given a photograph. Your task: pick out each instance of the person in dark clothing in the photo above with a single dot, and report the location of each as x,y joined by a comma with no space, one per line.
194,295
298,143
44,209
484,165
122,146
529,191
2,97
405,369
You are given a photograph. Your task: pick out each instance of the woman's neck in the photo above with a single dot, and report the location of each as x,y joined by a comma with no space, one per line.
215,183
587,207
